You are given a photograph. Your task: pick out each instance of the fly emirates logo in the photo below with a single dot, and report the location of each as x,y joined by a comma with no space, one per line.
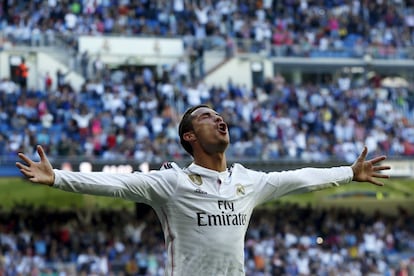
225,217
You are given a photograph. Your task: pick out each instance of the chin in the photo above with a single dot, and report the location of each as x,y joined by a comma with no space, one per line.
223,146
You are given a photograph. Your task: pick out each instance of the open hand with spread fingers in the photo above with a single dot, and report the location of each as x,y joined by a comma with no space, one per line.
37,172
369,170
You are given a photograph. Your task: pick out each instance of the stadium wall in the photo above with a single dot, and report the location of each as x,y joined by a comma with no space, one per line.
246,69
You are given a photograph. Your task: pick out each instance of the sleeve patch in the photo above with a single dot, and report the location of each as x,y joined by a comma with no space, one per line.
166,165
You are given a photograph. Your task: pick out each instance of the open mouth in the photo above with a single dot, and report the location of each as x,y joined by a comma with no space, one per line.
222,128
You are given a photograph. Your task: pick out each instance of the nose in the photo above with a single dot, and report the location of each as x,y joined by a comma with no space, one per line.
219,118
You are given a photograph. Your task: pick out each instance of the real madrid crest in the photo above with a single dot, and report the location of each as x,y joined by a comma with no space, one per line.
240,190
196,179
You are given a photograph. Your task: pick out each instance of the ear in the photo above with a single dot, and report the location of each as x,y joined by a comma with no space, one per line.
189,136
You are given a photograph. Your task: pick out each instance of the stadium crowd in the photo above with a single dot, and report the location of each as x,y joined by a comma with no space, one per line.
343,28
130,114
288,240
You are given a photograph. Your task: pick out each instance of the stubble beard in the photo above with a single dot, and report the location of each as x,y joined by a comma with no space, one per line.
222,145
218,147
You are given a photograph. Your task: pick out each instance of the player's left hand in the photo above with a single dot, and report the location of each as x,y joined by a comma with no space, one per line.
369,170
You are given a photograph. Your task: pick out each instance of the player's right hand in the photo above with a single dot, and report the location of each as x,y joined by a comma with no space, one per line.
37,172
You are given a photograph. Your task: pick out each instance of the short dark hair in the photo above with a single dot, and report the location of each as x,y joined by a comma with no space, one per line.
186,125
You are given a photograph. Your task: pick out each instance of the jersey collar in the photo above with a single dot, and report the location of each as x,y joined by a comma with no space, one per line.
194,168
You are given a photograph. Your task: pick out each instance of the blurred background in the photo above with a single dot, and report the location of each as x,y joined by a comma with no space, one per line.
101,85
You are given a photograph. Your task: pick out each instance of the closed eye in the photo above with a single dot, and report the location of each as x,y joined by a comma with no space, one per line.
208,115
205,115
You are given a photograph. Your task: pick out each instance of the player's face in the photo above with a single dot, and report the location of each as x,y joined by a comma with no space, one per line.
210,130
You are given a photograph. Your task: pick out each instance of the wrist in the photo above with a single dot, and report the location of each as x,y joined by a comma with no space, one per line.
353,172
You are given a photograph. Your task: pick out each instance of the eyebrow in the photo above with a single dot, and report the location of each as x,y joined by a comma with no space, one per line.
206,113
198,109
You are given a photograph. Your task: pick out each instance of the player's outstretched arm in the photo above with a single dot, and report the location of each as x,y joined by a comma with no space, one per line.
369,170
37,172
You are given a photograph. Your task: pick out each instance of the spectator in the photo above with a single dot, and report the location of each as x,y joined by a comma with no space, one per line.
48,82
83,119
23,74
84,63
61,79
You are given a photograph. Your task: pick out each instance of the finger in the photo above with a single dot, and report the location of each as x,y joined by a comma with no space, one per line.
363,154
24,158
380,175
41,153
381,168
25,168
378,159
27,173
375,181
378,183
21,166
33,179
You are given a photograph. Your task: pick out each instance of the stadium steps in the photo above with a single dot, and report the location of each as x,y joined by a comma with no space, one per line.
213,60
50,59
60,54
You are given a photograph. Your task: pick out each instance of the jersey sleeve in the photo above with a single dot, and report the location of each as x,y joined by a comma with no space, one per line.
273,185
153,188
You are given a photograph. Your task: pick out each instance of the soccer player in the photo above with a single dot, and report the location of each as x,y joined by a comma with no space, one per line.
204,208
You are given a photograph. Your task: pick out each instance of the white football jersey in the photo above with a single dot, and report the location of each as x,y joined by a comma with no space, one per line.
204,213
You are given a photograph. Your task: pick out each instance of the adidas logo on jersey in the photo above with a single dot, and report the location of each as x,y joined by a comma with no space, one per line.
199,191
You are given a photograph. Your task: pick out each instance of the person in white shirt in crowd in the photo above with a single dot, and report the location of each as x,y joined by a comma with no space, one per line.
8,86
83,119
205,208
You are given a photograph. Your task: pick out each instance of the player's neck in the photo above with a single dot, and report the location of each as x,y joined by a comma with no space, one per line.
216,162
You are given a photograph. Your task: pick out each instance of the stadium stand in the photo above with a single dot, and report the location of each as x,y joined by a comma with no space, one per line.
124,115
313,122
286,240
307,120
